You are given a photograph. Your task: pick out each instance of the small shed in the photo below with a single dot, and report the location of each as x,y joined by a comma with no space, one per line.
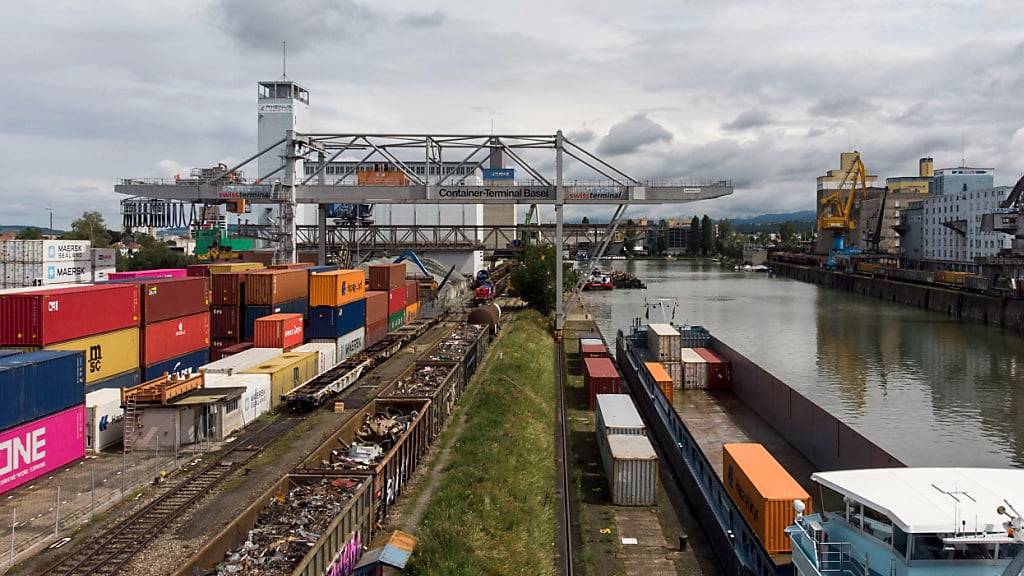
201,415
386,556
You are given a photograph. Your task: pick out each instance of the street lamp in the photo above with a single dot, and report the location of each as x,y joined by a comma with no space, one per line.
50,210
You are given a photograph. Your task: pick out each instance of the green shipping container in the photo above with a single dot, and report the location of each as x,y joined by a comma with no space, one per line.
396,321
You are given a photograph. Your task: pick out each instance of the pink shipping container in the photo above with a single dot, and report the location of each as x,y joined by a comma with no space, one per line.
47,316
170,338
42,446
719,371
158,273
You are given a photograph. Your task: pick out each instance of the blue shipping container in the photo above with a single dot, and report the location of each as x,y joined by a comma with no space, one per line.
37,384
499,173
191,360
334,322
322,269
9,352
126,380
254,312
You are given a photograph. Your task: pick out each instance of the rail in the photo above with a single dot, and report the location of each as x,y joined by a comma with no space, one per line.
562,464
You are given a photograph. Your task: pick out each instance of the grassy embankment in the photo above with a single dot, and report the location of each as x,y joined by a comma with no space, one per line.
493,512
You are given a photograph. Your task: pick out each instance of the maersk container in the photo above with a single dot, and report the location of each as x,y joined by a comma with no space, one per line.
36,384
254,312
47,250
48,316
763,491
126,380
255,401
106,355
695,370
240,361
327,354
170,338
663,341
190,361
48,273
279,331
336,321
632,468
616,414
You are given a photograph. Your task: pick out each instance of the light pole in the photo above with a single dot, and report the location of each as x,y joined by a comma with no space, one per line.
50,210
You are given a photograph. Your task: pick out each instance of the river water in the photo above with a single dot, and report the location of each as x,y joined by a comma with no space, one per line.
923,386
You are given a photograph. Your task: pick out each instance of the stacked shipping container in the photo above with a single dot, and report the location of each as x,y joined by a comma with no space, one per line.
274,292
44,262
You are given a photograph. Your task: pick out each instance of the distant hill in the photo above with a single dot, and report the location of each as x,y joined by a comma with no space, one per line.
799,216
19,227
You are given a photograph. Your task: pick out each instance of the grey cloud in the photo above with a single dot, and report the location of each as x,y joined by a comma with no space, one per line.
632,134
581,136
424,20
747,119
841,106
263,24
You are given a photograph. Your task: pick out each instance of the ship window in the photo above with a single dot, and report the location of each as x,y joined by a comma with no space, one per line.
877,525
832,501
899,541
927,547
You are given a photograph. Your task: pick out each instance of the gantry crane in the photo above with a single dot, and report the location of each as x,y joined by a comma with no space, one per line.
1011,222
837,210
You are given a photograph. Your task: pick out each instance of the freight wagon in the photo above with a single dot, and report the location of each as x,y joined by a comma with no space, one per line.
439,382
466,345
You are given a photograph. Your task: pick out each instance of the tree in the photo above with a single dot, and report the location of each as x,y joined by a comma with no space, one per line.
707,237
152,254
788,236
724,234
30,233
534,277
90,226
585,220
695,237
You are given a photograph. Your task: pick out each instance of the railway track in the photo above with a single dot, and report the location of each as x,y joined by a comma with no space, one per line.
563,468
109,551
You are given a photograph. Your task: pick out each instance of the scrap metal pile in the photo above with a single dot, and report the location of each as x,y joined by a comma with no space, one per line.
626,280
422,383
454,347
287,528
378,434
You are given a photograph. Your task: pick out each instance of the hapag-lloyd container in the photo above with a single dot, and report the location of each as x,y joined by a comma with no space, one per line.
42,446
269,287
227,288
157,273
336,288
35,384
190,361
225,322
387,277
376,307
166,298
334,322
170,338
763,491
107,354
54,315
396,301
278,331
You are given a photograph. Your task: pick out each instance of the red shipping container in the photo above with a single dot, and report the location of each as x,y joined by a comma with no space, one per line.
376,307
375,333
719,371
168,298
599,377
412,295
222,348
396,300
225,322
175,337
52,315
386,277
278,331
198,269
593,350
227,288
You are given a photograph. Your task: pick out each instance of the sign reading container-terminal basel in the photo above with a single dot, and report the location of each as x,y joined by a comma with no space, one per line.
475,194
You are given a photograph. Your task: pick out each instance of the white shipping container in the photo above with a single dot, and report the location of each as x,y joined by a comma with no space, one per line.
327,354
255,400
50,251
240,362
616,414
48,273
104,258
695,370
102,274
104,419
664,341
632,468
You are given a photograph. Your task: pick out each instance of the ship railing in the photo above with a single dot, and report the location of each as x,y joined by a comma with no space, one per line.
841,559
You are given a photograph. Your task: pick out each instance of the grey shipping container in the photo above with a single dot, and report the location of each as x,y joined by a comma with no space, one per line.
37,384
616,414
663,341
632,468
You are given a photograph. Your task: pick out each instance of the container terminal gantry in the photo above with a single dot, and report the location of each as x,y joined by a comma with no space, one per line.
594,181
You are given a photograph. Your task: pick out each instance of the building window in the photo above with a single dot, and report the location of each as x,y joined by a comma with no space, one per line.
231,406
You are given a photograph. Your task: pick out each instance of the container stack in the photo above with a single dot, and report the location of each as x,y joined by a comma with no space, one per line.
227,309
704,369
100,321
273,292
45,262
390,278
104,263
412,300
628,457
664,344
175,324
376,317
338,310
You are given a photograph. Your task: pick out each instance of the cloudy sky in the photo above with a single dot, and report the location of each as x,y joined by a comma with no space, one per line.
764,93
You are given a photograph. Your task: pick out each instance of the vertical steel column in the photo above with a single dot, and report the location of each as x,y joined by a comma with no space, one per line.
287,245
321,213
559,199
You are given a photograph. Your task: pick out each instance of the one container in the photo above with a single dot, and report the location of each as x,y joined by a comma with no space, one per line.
48,250
270,287
241,361
225,322
719,371
396,301
55,315
255,400
234,267
125,380
376,307
396,320
599,377
186,362
327,354
48,443
632,468
104,419
350,344
376,332
411,292
254,312
231,350
171,338
164,299
664,341
102,274
336,288
592,348
157,273
387,277
412,312
36,384
198,269
695,370
278,331
106,355
291,266
763,491
324,268
661,377
616,414
227,288
286,372
48,273
217,346
334,322
104,258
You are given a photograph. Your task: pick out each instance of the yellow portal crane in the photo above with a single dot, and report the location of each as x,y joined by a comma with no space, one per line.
837,215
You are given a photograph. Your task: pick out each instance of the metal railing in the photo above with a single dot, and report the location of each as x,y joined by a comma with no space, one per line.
829,558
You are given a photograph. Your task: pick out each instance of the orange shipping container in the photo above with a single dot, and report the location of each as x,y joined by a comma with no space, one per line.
371,178
763,491
661,377
337,287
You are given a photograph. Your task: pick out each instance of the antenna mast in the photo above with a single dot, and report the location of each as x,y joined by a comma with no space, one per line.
284,60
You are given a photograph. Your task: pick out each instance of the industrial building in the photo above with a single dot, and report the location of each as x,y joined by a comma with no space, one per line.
899,193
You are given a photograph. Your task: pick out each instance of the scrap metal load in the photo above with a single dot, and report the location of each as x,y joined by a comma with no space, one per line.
378,434
454,347
625,280
422,382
